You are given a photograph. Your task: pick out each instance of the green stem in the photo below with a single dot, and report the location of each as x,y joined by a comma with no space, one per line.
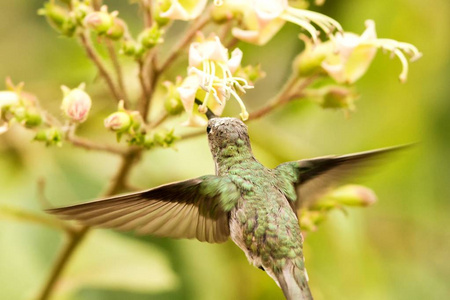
75,238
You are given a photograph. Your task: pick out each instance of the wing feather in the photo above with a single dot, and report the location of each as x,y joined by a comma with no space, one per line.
177,210
317,176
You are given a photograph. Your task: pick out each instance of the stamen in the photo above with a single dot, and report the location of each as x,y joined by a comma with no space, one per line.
244,114
304,24
397,49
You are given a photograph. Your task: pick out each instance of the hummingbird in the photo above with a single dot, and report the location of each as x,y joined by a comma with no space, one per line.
253,205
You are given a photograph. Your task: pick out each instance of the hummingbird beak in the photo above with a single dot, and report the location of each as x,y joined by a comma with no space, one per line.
209,114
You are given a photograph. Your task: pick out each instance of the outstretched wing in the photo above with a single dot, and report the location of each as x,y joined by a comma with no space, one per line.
314,177
195,208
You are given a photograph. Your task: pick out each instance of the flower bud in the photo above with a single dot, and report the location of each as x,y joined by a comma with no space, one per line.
150,37
310,60
157,9
51,136
76,103
32,118
119,121
334,96
172,102
128,48
117,30
99,21
58,18
165,139
353,195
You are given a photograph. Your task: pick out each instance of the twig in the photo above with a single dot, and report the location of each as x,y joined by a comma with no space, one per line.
71,244
90,145
92,54
118,69
75,239
146,9
126,165
146,92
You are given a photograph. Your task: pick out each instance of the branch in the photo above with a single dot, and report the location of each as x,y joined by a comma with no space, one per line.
146,90
90,145
147,12
118,69
75,239
92,54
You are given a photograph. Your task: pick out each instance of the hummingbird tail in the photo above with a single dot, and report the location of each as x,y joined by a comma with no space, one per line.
293,281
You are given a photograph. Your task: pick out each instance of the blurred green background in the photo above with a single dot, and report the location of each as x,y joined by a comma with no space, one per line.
397,249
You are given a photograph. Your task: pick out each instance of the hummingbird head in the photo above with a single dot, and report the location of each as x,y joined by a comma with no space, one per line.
227,137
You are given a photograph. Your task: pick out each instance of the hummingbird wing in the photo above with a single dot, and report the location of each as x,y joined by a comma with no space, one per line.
314,177
195,208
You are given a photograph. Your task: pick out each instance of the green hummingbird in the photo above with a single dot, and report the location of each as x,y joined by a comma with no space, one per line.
254,205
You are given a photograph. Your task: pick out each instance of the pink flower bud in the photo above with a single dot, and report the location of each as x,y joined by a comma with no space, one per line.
119,121
99,21
76,103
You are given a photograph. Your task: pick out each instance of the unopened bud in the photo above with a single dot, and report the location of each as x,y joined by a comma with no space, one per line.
309,61
334,96
117,30
158,7
150,37
76,103
58,18
172,102
99,21
32,118
51,136
354,195
119,121
173,105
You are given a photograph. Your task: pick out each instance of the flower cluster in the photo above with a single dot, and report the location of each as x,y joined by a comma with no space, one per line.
210,79
130,123
348,56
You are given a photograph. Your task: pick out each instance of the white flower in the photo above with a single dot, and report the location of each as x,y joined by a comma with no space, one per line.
262,19
182,9
353,54
210,79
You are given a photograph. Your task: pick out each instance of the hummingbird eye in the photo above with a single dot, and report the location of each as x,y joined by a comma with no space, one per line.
208,129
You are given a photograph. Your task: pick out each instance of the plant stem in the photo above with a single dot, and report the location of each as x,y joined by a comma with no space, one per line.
75,239
146,91
92,54
90,145
118,69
